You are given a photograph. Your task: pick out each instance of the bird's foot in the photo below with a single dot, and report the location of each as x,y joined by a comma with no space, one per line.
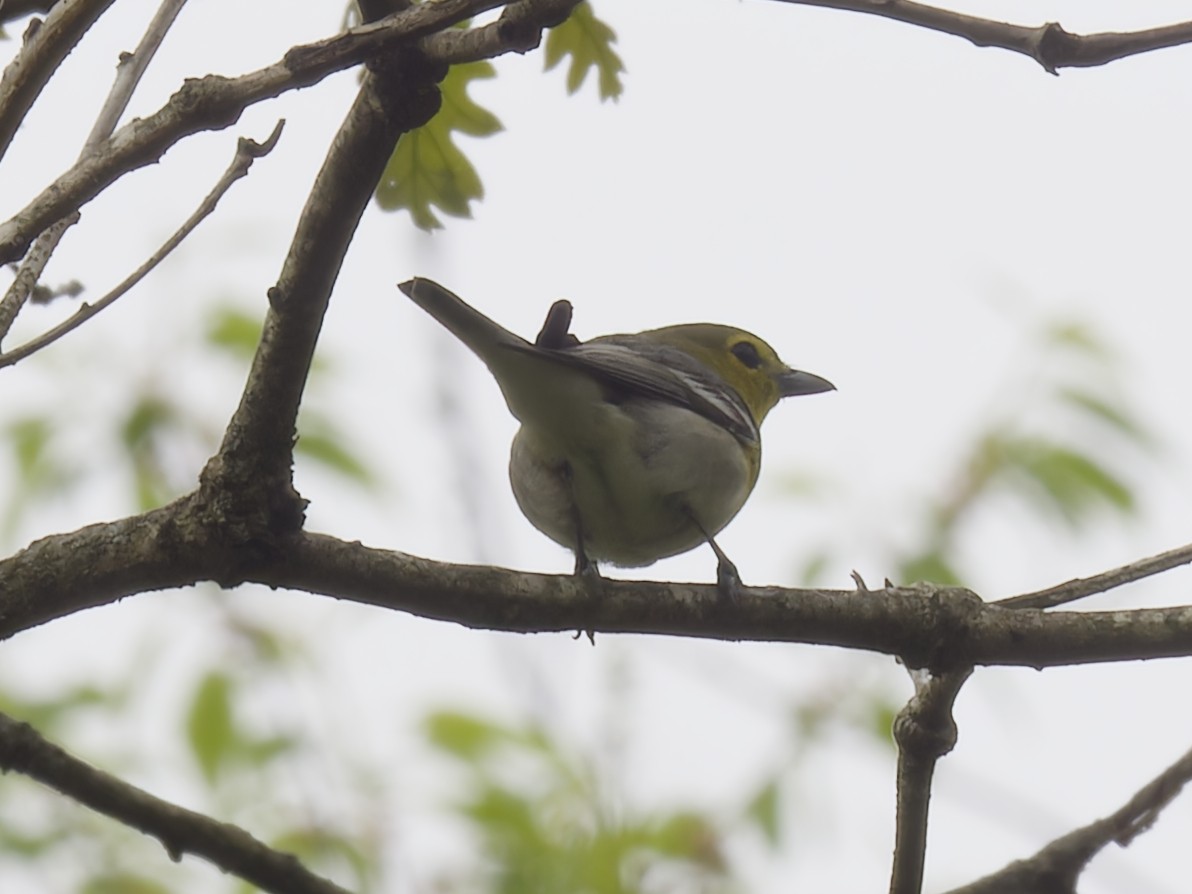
586,571
728,580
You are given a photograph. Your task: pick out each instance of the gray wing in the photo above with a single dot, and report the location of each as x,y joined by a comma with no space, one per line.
629,369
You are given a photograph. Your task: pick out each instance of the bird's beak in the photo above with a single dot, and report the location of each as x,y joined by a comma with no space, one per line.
793,382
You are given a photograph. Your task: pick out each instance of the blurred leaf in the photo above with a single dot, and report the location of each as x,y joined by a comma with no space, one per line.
150,420
327,448
688,836
550,828
209,726
21,843
234,331
589,43
321,847
763,811
1073,482
814,566
879,712
504,812
802,484
268,646
1079,337
261,751
238,334
149,415
427,170
37,469
29,438
122,883
1116,417
463,735
932,567
48,715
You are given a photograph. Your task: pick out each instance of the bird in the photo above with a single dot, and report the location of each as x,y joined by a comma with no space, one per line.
632,448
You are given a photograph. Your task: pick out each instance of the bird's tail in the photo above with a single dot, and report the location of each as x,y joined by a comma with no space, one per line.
466,323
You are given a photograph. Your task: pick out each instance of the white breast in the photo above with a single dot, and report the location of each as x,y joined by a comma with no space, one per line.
632,474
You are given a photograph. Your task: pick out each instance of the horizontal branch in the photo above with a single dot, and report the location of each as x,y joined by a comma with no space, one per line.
181,831
195,539
1049,45
924,625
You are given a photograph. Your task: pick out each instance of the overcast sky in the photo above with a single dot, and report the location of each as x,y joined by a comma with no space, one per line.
894,209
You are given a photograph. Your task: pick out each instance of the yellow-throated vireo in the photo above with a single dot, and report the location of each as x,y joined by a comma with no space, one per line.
632,448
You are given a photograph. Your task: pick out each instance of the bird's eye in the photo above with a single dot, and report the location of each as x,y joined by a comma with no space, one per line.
747,354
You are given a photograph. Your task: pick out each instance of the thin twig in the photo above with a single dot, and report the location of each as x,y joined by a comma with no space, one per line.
128,75
1058,865
1049,45
1082,587
925,731
215,102
247,151
181,831
46,44
130,71
519,29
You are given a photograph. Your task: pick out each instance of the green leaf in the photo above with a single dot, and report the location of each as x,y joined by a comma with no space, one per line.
328,449
689,836
427,170
811,574
1078,337
1116,417
39,473
122,883
931,567
49,715
877,714
589,43
29,438
324,848
463,735
149,415
763,811
1073,483
209,726
234,331
261,751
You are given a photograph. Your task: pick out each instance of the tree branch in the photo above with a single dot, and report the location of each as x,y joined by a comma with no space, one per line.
131,68
247,151
251,472
518,30
1082,587
215,102
180,831
46,44
196,539
924,731
1056,867
1049,45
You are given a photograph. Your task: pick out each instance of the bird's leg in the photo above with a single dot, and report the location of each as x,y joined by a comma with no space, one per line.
728,580
585,568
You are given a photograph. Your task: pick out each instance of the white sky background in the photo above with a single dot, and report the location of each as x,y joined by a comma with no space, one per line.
891,208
